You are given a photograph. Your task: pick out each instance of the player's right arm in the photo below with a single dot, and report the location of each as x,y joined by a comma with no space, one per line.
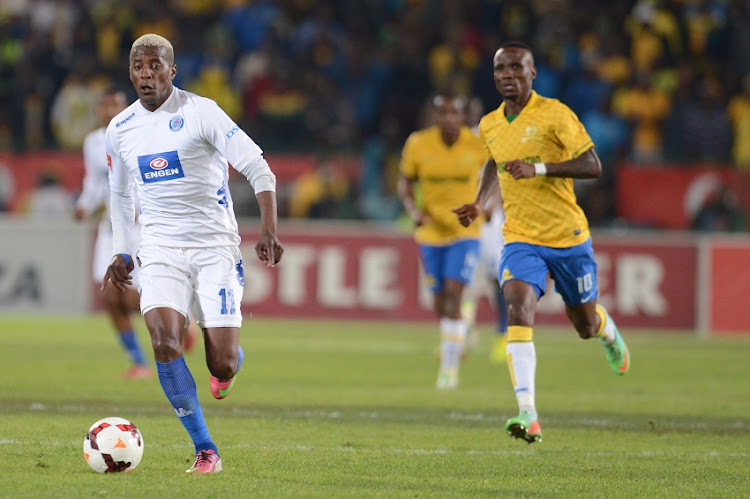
406,194
122,209
94,181
409,174
495,200
488,184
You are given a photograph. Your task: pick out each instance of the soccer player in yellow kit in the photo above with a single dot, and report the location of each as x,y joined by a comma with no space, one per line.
536,147
445,160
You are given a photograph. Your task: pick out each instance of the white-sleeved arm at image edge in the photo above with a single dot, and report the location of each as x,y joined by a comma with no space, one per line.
122,201
122,207
259,174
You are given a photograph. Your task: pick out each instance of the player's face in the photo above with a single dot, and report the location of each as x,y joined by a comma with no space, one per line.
514,71
449,115
151,75
108,107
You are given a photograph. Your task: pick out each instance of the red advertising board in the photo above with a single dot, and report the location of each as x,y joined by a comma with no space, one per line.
643,282
337,271
729,285
669,197
27,169
363,272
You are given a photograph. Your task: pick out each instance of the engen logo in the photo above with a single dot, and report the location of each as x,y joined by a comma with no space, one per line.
160,167
159,163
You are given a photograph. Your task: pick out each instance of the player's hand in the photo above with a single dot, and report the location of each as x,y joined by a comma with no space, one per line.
118,272
269,249
519,169
79,214
467,213
420,218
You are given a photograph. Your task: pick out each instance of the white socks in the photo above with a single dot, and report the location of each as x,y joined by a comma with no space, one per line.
606,330
452,337
522,366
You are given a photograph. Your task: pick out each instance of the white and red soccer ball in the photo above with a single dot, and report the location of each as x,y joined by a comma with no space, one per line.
113,445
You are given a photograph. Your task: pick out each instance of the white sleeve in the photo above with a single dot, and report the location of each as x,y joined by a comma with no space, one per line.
236,146
259,174
95,181
122,206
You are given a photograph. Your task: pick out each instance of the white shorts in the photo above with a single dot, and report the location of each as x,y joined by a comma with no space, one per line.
491,245
206,283
103,255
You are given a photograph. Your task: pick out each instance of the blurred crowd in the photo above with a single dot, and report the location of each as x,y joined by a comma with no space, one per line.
653,80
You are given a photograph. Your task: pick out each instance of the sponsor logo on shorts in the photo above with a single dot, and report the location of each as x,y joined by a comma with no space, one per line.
587,298
160,167
507,276
240,273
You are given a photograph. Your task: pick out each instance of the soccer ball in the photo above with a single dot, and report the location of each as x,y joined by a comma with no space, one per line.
113,445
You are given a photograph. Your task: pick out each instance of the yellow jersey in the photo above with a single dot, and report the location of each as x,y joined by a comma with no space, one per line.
448,177
538,210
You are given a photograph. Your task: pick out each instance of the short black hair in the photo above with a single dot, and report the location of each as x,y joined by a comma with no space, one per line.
518,45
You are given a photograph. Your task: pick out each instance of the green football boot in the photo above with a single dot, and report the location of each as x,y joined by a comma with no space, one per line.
524,426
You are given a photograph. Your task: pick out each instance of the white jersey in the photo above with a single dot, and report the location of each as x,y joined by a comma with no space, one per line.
491,243
95,192
177,156
95,196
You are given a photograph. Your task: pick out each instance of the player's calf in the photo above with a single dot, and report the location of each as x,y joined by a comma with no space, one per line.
220,388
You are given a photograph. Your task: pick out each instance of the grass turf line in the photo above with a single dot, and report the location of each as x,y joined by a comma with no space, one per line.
329,408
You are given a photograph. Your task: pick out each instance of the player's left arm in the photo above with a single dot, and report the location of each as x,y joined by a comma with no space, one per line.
268,248
571,137
587,165
247,158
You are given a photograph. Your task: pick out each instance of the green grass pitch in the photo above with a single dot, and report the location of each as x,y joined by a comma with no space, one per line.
349,409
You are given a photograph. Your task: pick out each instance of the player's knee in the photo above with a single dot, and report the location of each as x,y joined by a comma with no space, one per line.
224,366
437,306
112,303
451,302
451,308
519,314
166,344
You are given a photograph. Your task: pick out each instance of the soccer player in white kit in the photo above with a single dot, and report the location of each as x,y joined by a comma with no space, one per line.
491,244
174,147
94,201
